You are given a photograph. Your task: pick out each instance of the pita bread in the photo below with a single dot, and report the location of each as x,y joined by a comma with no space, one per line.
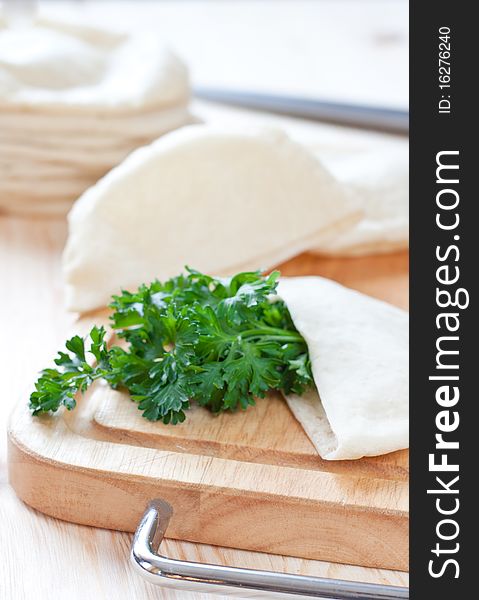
33,74
373,167
141,123
216,199
359,352
379,179
63,128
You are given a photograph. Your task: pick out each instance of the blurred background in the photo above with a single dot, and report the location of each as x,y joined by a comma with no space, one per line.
352,51
341,61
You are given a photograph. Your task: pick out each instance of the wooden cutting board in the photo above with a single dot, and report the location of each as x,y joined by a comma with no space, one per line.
249,480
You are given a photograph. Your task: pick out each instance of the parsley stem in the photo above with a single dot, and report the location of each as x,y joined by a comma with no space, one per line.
273,333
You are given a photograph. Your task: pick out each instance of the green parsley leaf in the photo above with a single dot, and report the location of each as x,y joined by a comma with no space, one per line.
218,342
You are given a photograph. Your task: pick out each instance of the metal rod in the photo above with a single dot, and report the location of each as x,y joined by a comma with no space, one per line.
246,583
355,115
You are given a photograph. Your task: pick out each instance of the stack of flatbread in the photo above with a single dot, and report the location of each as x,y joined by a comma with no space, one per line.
74,101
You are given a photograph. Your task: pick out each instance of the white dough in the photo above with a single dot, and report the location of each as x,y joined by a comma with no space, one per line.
359,353
77,69
215,199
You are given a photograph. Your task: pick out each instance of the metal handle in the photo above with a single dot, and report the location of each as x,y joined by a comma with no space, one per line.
232,581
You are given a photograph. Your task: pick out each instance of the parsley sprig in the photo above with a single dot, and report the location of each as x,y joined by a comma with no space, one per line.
220,343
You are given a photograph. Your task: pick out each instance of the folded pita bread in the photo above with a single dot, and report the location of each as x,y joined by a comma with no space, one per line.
371,166
217,199
379,179
359,354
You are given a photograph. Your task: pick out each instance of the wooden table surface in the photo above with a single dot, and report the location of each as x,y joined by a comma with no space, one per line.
45,558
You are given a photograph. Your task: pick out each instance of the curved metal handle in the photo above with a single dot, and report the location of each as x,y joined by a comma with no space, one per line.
232,581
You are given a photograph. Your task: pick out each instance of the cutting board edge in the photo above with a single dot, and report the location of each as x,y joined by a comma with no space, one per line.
32,477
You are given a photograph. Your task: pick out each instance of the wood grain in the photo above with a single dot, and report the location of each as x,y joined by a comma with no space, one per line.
385,276
225,476
266,434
